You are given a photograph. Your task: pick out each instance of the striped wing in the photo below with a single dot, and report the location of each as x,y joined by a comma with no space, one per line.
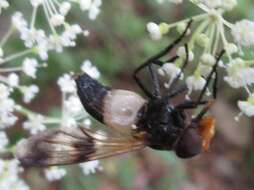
72,145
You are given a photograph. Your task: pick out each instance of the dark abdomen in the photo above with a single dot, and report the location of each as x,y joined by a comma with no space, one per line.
91,94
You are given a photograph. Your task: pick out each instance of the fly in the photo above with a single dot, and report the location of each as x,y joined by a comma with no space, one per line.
138,122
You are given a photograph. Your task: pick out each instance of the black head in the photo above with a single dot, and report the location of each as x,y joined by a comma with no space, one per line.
189,144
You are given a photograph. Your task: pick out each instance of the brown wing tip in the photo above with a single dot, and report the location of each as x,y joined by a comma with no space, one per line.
22,153
28,155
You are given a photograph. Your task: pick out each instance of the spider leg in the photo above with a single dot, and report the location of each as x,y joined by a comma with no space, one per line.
155,59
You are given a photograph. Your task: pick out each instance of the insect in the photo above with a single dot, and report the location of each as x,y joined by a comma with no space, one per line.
152,122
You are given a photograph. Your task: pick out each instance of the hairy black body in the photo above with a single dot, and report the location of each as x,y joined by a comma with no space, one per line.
162,123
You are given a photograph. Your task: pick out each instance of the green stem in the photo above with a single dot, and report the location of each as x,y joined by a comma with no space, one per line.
194,18
224,39
12,69
7,36
27,112
198,31
17,55
33,17
217,39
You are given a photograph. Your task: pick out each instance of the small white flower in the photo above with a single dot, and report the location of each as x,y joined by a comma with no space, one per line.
212,3
204,69
66,84
247,107
36,3
13,80
54,173
65,8
57,20
239,75
7,104
229,4
42,49
203,40
29,67
29,92
30,36
154,30
195,83
70,34
86,33
3,5
1,52
55,43
90,167
73,105
208,59
85,4
170,70
181,52
180,28
9,172
92,6
18,21
176,1
69,121
3,141
243,32
7,119
89,69
34,124
231,48
4,92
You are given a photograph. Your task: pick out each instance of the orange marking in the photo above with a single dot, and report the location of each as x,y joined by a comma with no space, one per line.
207,131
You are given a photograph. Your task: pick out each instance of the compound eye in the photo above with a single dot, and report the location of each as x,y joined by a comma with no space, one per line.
190,144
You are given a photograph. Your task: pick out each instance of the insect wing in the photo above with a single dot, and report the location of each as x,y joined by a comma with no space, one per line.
71,145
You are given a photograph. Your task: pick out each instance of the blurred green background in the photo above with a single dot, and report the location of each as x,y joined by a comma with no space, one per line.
117,45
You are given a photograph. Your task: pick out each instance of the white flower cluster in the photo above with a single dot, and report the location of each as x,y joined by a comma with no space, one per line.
38,41
3,5
54,173
210,37
7,104
224,4
211,4
73,115
73,111
9,175
90,167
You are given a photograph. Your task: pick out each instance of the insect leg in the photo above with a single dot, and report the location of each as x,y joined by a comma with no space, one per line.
210,102
155,80
209,78
190,105
172,85
155,58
